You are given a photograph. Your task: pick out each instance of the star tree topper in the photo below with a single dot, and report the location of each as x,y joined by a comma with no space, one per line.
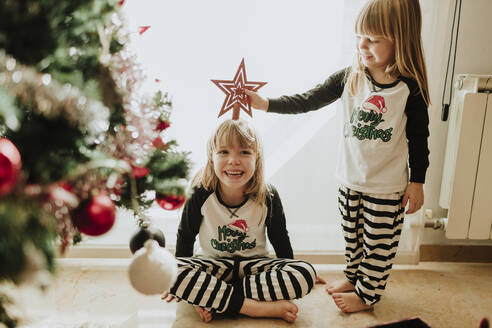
234,90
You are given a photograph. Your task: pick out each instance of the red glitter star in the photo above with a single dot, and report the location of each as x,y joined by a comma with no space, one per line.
234,90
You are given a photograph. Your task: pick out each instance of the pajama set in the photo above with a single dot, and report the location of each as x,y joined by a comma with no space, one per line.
234,264
385,129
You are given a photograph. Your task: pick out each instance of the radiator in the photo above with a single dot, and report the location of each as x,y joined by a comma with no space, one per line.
466,188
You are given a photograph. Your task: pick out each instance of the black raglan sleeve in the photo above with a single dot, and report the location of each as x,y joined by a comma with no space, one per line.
316,98
417,131
276,226
191,219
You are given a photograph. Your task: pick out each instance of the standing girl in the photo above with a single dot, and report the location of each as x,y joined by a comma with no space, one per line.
385,130
232,210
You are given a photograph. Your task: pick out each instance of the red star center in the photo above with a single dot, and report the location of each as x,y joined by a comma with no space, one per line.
234,90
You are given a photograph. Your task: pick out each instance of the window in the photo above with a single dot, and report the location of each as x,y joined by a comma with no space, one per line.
293,46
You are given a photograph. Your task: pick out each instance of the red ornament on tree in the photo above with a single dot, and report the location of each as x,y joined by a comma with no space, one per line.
10,165
140,171
65,185
162,125
159,143
95,216
170,202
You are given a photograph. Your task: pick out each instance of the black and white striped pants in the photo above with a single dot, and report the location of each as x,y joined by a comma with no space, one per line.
220,285
371,226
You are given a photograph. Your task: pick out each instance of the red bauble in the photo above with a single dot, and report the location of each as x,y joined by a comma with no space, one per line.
162,125
95,216
66,185
170,202
10,165
140,171
159,143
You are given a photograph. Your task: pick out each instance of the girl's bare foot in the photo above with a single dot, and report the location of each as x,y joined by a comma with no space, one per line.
204,314
339,286
350,302
276,309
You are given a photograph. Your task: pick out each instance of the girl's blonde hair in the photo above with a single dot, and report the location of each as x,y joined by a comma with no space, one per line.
225,135
401,22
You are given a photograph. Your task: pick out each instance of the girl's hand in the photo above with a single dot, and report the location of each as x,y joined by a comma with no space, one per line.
168,298
257,101
414,193
204,314
320,280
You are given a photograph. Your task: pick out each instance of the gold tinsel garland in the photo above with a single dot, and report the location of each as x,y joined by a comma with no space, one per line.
51,98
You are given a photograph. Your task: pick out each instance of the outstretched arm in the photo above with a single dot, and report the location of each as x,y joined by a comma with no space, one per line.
318,97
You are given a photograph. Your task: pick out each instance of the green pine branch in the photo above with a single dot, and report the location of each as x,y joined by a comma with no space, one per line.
24,223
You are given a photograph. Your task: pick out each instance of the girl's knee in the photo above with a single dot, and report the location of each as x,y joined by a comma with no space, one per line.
312,273
306,272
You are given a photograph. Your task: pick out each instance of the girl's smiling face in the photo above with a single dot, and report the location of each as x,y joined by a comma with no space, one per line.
376,52
234,165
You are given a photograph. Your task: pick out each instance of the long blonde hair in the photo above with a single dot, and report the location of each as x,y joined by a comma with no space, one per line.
401,22
225,134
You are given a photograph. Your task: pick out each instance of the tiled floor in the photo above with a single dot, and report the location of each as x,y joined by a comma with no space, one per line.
86,294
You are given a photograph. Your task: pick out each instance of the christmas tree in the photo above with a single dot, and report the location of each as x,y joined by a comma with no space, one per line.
77,137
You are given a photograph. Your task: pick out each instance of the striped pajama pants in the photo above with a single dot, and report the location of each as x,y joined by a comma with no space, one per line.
371,226
220,285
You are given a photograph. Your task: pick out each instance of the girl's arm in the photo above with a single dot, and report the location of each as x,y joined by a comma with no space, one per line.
322,95
191,219
276,227
417,131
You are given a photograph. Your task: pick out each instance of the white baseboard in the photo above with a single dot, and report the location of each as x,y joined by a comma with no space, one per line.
338,257
107,252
